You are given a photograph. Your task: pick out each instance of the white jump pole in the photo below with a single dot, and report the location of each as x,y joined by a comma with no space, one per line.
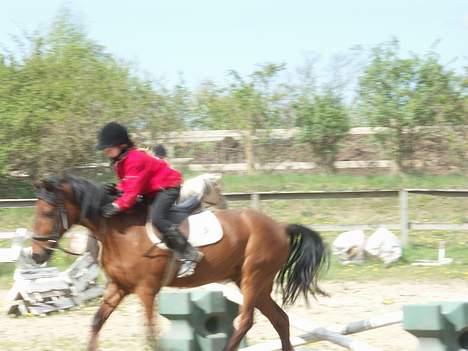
372,323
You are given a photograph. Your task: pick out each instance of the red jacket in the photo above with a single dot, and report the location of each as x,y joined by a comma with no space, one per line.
143,174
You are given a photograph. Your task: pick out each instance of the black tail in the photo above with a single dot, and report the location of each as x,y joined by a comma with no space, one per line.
308,256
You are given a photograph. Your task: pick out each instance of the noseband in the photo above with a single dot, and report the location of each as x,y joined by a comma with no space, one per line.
55,198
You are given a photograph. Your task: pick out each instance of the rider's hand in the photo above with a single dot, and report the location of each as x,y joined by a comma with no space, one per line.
110,210
111,189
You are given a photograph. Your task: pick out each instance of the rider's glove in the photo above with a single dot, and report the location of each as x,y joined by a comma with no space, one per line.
111,189
110,210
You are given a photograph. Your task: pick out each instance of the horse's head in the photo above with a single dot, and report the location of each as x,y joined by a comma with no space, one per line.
60,204
53,216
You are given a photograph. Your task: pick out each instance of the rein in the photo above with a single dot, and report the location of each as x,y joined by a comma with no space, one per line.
61,221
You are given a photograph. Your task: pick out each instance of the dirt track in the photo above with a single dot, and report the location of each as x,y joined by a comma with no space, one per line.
350,301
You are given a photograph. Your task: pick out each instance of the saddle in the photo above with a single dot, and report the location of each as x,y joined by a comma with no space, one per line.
202,227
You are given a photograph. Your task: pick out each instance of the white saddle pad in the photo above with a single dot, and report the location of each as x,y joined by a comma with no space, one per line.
204,229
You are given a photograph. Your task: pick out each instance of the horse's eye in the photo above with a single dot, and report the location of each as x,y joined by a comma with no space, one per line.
48,214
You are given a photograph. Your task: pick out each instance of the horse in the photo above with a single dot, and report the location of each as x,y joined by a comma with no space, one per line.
253,251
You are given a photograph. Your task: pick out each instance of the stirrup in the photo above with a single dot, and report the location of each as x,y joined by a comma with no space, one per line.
186,269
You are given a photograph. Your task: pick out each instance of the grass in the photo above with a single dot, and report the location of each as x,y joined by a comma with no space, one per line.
304,181
423,208
12,218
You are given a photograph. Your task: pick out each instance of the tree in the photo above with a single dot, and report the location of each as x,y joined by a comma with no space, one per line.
213,107
171,109
54,98
324,122
7,84
247,104
405,94
319,107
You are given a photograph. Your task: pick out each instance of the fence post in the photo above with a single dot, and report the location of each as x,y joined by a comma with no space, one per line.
255,201
404,222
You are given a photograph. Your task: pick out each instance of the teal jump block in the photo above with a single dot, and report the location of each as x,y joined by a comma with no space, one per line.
438,326
201,320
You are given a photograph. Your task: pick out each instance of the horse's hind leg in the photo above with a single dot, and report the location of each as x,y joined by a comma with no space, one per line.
112,298
245,319
278,318
252,284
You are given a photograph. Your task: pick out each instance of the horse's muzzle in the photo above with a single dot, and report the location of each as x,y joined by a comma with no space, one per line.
41,258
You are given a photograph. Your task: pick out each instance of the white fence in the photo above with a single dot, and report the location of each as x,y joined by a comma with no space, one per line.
11,254
404,226
197,136
282,166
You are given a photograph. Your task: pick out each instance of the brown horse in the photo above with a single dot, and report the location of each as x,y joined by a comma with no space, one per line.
254,250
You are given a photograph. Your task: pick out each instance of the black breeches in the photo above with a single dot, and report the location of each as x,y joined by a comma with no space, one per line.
160,208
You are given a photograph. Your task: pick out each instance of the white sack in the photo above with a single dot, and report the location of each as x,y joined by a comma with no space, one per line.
349,247
384,245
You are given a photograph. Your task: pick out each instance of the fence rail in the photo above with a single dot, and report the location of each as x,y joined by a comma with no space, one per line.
195,136
17,203
404,226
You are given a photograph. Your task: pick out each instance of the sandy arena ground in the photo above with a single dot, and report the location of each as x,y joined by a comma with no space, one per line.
350,301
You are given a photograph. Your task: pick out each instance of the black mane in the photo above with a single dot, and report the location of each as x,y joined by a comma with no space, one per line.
88,195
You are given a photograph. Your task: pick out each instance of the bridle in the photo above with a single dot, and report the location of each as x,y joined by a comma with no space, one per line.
55,198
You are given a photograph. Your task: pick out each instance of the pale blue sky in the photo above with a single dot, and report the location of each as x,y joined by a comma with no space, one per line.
205,38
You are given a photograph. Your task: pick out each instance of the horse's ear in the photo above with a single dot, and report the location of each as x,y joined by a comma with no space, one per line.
67,175
46,184
38,184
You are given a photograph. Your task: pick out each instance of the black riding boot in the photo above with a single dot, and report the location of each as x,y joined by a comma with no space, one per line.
183,250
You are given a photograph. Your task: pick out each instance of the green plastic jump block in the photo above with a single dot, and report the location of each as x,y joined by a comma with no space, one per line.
438,326
201,320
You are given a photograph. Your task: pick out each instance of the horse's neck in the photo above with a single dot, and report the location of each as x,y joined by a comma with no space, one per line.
120,235
94,228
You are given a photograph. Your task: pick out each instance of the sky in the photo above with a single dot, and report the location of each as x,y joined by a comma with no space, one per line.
203,39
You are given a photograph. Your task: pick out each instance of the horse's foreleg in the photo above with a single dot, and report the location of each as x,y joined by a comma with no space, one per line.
147,293
112,298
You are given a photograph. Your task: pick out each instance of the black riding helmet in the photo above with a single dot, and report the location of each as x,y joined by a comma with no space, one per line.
113,134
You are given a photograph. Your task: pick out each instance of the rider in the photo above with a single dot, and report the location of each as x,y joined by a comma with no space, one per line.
142,174
160,151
